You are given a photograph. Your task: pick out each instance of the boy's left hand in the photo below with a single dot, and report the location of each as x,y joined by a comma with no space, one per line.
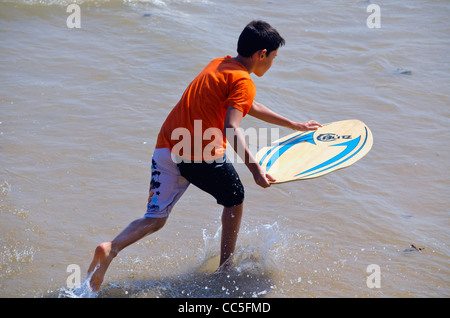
307,125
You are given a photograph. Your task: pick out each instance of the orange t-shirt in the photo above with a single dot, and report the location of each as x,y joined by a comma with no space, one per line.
193,129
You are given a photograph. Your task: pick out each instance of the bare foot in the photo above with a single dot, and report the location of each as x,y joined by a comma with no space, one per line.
99,265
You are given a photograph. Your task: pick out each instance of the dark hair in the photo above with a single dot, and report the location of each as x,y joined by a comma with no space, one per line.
258,35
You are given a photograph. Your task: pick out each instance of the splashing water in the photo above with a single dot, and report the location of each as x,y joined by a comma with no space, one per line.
5,188
250,276
82,291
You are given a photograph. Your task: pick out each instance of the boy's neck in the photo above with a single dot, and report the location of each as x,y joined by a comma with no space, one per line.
246,61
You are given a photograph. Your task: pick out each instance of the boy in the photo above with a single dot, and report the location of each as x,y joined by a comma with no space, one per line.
216,100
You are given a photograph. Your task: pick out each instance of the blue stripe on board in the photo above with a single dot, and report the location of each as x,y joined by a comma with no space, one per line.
307,138
351,145
295,138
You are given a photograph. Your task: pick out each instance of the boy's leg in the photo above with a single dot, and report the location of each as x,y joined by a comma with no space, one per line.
221,180
231,221
105,252
166,187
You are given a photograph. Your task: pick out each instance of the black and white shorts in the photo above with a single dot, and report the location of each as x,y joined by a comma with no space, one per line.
171,179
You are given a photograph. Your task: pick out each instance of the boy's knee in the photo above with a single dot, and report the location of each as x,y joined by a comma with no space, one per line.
154,224
160,222
234,198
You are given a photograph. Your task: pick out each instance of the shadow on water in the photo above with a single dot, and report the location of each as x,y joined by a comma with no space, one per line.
194,285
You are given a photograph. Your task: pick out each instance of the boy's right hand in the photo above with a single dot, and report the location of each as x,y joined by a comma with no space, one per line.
262,178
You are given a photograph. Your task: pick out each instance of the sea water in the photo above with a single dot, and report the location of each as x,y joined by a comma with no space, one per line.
80,109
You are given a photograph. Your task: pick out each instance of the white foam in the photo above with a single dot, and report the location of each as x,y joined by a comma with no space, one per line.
82,291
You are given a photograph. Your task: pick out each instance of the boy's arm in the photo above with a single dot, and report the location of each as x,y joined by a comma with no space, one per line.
236,139
261,112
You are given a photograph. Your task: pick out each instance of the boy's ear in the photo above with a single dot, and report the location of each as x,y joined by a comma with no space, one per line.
262,53
259,55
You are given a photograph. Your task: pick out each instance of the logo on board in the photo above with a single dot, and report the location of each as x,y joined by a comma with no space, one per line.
332,137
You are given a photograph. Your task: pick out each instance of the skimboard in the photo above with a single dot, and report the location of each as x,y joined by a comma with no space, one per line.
311,154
